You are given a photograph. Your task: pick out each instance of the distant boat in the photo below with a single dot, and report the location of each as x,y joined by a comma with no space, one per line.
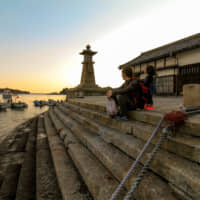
52,102
36,103
7,94
40,103
3,106
19,105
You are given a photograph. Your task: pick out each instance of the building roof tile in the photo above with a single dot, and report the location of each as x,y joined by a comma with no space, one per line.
170,49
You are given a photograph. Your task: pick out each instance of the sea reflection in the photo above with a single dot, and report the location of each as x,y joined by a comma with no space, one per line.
12,118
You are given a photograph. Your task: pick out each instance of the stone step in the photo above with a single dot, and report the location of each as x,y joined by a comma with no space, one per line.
118,163
181,144
12,150
9,185
16,140
9,159
98,180
26,183
1,181
46,182
191,126
71,187
178,171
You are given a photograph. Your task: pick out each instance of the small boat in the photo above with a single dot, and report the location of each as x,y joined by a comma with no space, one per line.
7,94
36,103
3,106
40,103
19,105
52,102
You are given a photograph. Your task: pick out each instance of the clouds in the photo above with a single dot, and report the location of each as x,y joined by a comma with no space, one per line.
46,36
171,22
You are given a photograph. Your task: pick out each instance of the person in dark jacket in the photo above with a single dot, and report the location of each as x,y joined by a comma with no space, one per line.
128,96
148,82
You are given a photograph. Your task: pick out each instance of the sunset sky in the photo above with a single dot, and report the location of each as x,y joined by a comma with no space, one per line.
40,40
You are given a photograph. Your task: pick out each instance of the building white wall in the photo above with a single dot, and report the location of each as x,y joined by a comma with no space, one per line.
160,63
189,57
137,68
151,63
165,72
170,61
143,66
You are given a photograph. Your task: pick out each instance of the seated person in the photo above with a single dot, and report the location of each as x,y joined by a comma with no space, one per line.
149,83
128,96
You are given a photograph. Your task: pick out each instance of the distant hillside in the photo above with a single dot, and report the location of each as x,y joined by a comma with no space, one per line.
14,91
64,91
53,93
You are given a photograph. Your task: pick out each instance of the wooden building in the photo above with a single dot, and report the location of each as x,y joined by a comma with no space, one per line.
176,64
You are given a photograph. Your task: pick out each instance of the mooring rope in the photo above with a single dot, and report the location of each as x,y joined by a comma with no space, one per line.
165,133
173,119
119,188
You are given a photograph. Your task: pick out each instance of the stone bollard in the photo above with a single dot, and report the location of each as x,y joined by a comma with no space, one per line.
191,95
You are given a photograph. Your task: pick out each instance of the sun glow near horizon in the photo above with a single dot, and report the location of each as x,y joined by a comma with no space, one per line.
51,64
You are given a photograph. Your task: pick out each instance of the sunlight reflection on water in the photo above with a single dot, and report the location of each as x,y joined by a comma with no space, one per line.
12,118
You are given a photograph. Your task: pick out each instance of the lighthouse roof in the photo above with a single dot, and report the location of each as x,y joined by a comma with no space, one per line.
88,51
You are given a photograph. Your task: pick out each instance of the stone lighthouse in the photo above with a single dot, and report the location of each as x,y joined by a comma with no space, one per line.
87,86
87,77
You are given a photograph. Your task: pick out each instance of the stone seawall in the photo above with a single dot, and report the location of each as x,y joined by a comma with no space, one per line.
75,151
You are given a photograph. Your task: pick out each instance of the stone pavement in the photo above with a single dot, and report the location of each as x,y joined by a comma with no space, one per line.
161,104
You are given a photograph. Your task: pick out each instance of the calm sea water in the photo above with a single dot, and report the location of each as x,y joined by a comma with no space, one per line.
12,118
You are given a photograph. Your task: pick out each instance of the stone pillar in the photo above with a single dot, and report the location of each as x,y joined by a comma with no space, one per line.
191,95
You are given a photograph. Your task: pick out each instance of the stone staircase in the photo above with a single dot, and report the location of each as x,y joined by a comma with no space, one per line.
76,152
17,163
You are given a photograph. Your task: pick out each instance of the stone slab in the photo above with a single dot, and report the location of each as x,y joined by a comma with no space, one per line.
180,173
118,163
68,179
9,185
46,182
191,126
191,95
26,183
180,144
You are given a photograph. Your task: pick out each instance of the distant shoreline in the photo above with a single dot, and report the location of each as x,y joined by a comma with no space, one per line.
45,94
18,92
35,94
14,91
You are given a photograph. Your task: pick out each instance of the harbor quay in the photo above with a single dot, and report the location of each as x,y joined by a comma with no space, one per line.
76,151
